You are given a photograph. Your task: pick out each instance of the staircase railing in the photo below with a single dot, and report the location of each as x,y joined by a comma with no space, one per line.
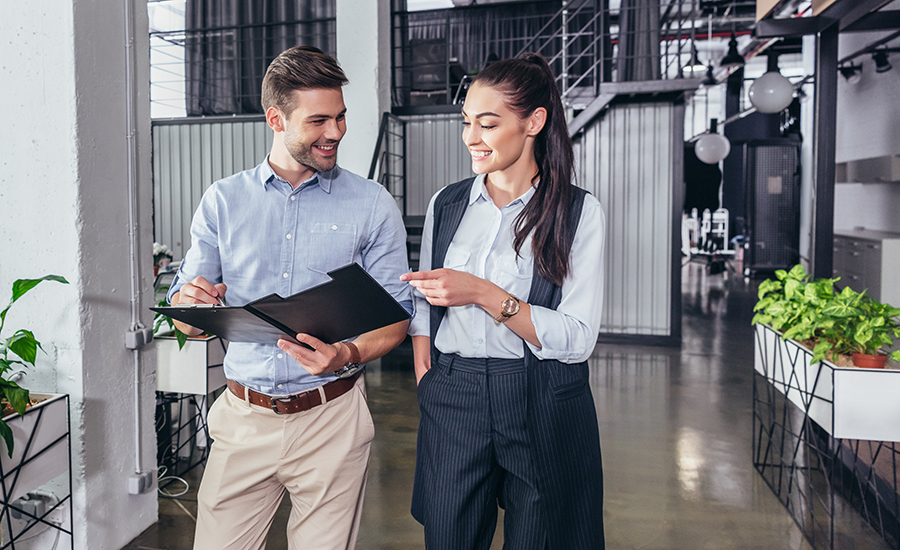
388,165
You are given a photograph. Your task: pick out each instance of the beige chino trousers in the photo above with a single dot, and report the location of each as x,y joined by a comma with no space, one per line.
319,456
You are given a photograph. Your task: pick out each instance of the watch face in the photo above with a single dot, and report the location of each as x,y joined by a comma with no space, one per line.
510,306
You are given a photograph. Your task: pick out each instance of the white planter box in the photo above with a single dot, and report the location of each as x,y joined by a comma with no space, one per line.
848,403
41,450
197,368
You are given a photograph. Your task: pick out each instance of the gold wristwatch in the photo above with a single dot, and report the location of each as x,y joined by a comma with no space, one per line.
508,307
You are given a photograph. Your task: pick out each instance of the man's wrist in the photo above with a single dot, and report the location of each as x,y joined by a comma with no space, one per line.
352,366
354,356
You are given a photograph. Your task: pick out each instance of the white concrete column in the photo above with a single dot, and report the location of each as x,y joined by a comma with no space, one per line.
64,210
364,52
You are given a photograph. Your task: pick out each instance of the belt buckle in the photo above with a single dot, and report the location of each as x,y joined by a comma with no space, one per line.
275,401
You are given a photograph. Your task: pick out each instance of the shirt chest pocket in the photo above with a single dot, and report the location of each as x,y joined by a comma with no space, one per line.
331,245
456,258
512,273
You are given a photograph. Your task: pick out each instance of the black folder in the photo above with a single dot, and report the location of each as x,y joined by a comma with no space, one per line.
351,304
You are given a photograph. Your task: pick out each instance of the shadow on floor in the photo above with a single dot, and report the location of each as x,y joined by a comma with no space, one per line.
675,426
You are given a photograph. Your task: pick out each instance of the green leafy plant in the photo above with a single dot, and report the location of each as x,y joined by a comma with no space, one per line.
854,322
163,323
833,324
21,344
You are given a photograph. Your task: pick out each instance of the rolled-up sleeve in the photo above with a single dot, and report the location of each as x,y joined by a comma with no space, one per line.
569,333
384,255
419,325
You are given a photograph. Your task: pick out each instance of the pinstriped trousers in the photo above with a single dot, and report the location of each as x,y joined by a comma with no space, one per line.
473,454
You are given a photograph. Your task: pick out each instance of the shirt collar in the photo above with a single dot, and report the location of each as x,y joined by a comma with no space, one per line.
265,176
479,191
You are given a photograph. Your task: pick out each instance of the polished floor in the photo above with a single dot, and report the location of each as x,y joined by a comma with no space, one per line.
675,428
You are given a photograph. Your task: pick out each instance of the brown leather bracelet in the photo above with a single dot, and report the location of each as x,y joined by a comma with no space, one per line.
354,352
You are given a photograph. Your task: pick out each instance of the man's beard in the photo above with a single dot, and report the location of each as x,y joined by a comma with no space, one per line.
304,155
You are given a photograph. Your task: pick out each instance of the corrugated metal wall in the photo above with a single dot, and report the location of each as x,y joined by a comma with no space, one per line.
188,156
435,157
629,158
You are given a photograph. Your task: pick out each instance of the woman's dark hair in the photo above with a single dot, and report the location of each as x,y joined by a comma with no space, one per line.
299,68
526,83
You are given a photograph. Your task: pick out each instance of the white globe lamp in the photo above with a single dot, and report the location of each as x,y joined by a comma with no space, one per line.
772,92
712,147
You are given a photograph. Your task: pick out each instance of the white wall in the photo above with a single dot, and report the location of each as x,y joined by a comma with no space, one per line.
65,211
868,125
363,50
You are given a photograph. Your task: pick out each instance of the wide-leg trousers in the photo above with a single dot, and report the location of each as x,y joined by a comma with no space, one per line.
319,456
473,454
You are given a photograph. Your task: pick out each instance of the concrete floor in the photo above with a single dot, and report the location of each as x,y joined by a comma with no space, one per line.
675,428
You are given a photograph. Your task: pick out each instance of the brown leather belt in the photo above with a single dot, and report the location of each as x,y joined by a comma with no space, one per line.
299,401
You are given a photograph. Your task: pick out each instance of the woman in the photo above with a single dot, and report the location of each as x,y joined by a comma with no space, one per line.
504,326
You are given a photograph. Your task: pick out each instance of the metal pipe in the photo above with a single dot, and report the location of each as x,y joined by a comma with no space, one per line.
131,158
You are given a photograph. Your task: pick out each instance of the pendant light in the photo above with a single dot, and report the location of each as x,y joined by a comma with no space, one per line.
712,146
733,59
772,92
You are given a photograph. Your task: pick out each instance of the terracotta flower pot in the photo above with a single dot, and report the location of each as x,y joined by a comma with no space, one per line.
869,361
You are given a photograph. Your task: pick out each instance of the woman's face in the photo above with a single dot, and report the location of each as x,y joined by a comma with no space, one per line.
496,137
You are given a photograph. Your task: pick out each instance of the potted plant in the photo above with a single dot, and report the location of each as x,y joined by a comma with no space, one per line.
163,324
831,325
857,325
162,257
21,344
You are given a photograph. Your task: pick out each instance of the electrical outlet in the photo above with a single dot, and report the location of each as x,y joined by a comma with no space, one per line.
134,339
140,483
33,504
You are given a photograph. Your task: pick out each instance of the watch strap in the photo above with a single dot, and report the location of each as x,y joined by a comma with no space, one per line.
352,367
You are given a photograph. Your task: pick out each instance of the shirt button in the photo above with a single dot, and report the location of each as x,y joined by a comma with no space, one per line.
288,236
280,385
280,355
478,341
284,275
334,228
293,197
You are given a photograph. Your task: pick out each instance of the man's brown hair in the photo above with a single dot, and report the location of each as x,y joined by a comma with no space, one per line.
299,68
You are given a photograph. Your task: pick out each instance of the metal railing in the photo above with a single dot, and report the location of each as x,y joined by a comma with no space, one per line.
389,160
587,42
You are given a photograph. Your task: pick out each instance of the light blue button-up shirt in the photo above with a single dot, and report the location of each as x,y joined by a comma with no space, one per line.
483,246
259,236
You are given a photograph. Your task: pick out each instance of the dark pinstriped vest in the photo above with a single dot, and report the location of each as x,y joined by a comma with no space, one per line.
562,420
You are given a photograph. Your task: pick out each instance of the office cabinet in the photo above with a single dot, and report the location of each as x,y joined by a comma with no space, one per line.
869,260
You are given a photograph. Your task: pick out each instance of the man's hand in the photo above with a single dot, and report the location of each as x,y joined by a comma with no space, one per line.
321,359
198,291
325,358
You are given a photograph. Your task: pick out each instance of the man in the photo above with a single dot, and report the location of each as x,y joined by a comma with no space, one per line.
287,423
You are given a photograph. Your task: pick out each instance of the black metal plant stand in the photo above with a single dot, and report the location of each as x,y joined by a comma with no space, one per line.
43,456
805,448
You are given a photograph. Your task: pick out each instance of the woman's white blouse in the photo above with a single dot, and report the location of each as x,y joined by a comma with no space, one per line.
483,246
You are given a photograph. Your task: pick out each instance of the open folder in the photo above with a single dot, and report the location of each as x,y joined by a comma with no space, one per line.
351,304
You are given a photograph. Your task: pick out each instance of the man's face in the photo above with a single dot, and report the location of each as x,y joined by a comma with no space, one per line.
315,127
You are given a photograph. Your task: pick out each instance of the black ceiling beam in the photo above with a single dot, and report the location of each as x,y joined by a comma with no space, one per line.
791,26
885,20
847,14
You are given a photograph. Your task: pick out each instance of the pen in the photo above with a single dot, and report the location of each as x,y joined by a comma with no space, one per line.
221,301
